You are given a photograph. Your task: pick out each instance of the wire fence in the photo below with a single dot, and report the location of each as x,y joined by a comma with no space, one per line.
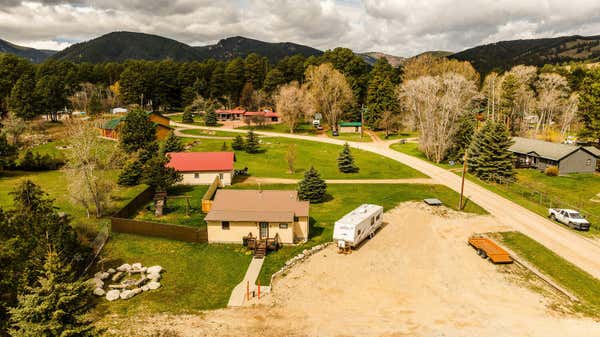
550,199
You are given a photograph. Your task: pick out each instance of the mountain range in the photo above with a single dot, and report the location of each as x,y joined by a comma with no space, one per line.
121,46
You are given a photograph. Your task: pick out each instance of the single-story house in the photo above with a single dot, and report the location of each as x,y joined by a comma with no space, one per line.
267,115
225,114
265,214
540,154
201,168
350,127
113,126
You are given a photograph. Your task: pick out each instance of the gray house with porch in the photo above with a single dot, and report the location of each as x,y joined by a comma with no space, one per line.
540,154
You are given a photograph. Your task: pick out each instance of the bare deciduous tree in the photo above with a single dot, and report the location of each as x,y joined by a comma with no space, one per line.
553,92
88,162
427,65
390,122
290,157
329,91
437,102
14,127
293,103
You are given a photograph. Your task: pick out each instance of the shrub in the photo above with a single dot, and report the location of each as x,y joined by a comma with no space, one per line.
238,143
37,162
551,171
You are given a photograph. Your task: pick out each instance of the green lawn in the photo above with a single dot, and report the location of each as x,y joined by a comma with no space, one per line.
175,212
198,120
55,184
212,133
271,162
50,149
580,283
398,135
343,199
351,137
537,191
196,276
302,129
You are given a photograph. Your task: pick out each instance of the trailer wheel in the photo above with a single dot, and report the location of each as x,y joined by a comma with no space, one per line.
484,255
479,251
552,217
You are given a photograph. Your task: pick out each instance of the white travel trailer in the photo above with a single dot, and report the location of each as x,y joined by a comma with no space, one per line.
354,227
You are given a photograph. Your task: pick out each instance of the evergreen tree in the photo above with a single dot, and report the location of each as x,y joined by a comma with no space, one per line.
508,101
22,100
172,144
187,117
8,152
94,106
312,188
56,306
158,176
346,161
589,106
488,157
252,144
234,75
217,81
238,143
381,96
461,138
131,173
211,117
273,80
137,132
51,95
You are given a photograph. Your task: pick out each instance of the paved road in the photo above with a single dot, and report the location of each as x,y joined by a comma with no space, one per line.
583,252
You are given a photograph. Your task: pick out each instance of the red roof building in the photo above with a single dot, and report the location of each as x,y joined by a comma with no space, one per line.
201,168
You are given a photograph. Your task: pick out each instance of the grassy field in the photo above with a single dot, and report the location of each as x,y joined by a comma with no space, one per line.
537,191
55,184
351,137
201,132
198,120
271,161
196,276
399,135
302,129
344,198
175,212
580,283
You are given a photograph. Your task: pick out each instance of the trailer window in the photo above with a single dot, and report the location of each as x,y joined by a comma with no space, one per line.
359,231
372,221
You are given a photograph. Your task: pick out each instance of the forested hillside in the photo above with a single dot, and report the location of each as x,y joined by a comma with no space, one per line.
31,54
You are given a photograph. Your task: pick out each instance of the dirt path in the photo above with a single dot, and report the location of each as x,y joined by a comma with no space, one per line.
583,252
416,277
257,180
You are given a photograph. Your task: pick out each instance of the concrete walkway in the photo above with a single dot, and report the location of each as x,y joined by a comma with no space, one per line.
573,247
238,295
259,180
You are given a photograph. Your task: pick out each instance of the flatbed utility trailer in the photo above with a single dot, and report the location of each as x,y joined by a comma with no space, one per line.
488,248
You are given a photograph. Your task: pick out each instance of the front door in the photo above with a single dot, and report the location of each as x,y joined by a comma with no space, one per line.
264,230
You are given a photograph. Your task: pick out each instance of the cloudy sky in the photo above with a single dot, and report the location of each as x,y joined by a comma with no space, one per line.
399,27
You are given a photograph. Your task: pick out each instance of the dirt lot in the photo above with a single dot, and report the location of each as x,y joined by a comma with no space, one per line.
417,277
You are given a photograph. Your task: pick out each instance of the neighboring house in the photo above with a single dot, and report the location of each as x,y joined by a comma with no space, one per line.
350,127
201,168
111,128
236,213
266,115
230,114
118,111
541,154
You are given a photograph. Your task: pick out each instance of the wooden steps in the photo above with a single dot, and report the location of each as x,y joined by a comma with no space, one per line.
261,249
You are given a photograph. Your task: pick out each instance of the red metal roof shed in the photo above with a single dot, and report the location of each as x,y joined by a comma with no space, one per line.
201,161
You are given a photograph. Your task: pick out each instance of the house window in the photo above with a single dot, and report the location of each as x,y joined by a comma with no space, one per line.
225,225
221,176
196,175
588,162
296,219
283,226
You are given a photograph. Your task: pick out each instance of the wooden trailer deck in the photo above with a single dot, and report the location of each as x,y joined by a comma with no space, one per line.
486,247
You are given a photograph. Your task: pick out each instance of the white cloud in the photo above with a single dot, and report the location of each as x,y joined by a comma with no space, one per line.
401,27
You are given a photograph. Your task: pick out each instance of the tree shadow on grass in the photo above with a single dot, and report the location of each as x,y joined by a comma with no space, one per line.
180,189
313,230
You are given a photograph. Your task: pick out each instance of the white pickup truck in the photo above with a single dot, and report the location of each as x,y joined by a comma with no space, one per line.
569,217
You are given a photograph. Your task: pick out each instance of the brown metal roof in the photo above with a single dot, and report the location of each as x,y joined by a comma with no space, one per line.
255,205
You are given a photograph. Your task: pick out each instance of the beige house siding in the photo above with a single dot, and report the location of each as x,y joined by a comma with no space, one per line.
350,129
205,178
238,229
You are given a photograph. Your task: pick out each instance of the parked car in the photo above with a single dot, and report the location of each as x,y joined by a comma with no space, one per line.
570,218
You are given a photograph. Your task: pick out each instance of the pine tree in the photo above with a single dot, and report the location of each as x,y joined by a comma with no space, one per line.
211,117
187,116
488,157
131,173
346,161
238,143
589,106
158,176
461,139
137,132
252,145
172,144
94,106
55,307
22,101
312,188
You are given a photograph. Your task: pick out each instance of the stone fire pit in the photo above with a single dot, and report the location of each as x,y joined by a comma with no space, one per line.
126,281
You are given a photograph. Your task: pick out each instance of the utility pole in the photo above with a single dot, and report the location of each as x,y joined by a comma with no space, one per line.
462,181
362,119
